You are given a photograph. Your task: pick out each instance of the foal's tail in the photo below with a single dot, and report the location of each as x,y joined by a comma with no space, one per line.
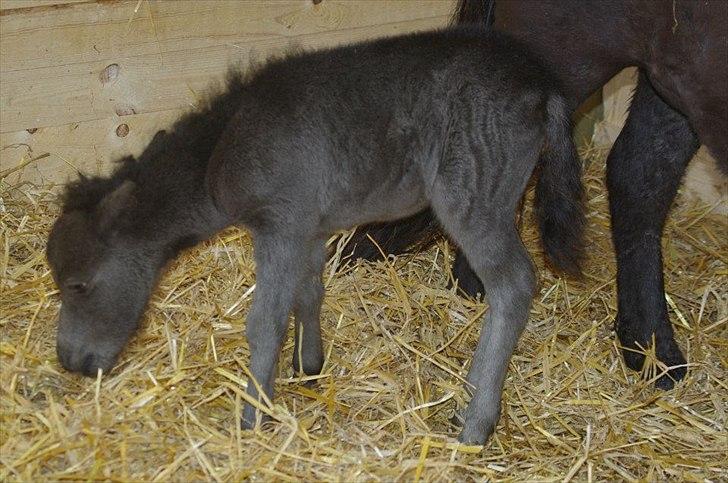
559,193
478,12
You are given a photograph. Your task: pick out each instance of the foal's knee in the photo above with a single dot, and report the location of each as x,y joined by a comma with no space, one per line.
526,280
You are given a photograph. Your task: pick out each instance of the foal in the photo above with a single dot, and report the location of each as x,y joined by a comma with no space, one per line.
323,141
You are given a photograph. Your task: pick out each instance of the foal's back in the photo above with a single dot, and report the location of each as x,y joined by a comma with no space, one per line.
356,133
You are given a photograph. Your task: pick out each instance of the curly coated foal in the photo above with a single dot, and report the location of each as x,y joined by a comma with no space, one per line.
318,142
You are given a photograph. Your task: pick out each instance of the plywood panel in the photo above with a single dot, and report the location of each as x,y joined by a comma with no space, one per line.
87,147
103,31
146,83
38,4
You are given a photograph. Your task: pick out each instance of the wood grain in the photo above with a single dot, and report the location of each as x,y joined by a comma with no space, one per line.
50,61
55,98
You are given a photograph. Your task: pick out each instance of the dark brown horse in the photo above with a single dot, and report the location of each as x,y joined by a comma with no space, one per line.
681,101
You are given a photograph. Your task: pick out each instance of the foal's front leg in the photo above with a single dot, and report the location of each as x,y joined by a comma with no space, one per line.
308,353
280,262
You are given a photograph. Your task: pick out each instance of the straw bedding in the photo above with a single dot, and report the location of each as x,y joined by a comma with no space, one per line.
397,343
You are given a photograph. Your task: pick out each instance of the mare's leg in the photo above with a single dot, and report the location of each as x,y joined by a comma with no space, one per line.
308,352
644,170
281,263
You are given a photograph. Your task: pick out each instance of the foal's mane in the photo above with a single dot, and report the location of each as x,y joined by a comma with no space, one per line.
194,134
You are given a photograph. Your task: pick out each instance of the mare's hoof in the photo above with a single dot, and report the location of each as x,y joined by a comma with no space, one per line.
468,290
469,284
671,359
360,247
667,352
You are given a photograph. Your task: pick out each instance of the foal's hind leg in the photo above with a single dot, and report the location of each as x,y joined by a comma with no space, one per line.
308,352
488,237
644,170
281,264
497,255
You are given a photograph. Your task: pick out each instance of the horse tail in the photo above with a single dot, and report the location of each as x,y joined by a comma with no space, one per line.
559,193
474,12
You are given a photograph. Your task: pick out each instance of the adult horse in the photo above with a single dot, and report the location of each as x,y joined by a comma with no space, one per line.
681,101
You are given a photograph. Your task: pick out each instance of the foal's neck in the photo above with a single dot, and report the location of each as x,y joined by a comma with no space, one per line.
175,210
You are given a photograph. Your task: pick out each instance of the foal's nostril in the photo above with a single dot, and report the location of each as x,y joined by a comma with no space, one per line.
89,365
63,358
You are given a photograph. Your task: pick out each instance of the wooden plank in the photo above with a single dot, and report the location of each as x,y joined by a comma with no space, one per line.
104,31
617,95
37,4
704,181
169,54
55,101
86,147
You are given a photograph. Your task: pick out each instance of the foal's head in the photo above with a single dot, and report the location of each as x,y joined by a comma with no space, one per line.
115,234
105,274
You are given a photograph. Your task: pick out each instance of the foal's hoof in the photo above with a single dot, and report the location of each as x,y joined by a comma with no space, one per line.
476,431
475,435
311,367
249,420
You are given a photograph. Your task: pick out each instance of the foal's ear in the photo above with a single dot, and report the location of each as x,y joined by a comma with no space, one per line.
114,203
156,145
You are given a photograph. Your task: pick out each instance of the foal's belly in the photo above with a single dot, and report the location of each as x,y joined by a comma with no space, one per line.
384,200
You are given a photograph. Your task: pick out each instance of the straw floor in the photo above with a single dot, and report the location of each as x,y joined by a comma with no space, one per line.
397,342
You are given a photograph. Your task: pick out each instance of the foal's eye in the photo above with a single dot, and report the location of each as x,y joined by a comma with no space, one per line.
76,287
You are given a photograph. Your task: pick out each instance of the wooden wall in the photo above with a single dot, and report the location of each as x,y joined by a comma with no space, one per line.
85,81
76,75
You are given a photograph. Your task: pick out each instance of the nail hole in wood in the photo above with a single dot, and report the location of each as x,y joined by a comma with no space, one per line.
122,130
110,73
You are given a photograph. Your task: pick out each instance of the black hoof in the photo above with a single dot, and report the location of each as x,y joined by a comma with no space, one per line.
469,284
666,351
310,368
248,421
671,358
